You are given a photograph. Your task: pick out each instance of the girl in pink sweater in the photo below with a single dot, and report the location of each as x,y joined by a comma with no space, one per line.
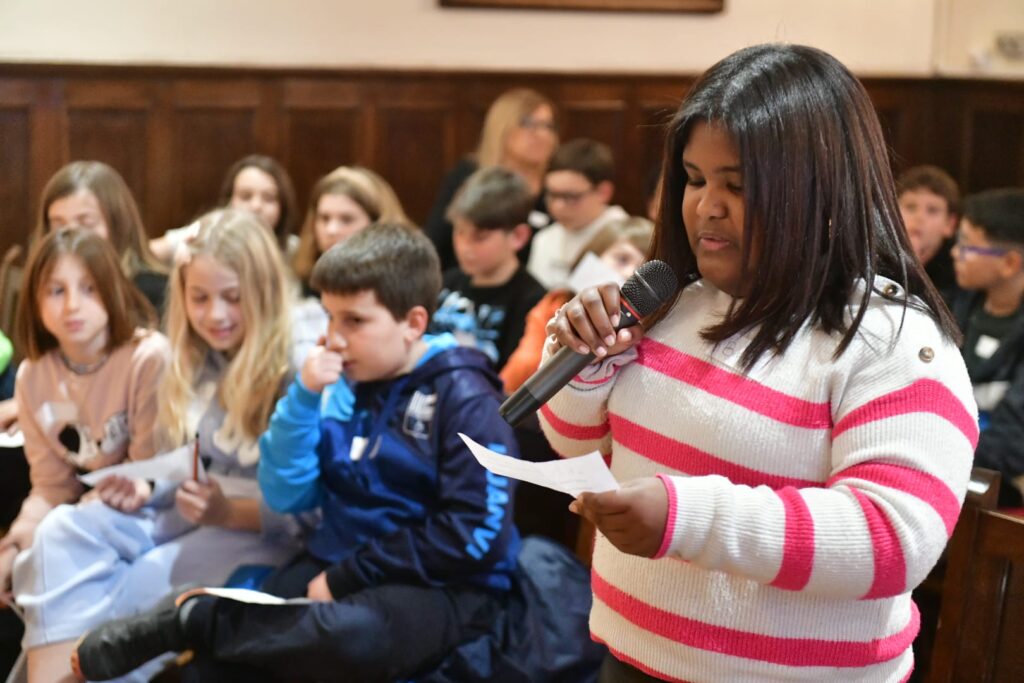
87,391
794,435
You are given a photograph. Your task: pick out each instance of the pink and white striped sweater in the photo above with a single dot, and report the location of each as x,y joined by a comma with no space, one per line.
806,497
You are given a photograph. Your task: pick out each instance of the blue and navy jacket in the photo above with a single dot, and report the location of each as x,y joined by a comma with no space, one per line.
402,498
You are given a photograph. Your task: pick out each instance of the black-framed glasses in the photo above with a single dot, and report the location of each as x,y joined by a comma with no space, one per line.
530,123
566,197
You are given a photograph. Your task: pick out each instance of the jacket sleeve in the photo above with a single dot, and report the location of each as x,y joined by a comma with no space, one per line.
904,428
1000,445
289,467
471,527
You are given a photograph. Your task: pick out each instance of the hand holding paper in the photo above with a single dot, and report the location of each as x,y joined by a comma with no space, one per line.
573,475
175,465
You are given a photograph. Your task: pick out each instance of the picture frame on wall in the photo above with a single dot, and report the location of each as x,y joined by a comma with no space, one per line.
702,6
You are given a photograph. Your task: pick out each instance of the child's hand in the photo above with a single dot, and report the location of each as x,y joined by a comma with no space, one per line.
632,518
8,416
124,494
202,503
321,368
586,323
317,589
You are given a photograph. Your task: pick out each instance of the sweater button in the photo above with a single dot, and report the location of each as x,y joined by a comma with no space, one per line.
927,354
891,291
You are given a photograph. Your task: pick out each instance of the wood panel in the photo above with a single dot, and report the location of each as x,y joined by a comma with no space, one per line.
173,131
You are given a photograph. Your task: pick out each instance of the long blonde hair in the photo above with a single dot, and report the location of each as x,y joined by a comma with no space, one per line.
364,187
253,379
504,114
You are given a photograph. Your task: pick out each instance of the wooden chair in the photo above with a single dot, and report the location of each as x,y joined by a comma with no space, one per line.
981,626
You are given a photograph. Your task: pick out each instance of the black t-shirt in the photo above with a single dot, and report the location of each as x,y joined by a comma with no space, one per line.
985,334
491,319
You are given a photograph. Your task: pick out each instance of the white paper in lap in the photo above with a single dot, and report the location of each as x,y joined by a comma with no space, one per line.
572,475
174,465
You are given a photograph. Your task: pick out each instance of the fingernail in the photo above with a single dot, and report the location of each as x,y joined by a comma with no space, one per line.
609,340
625,335
615,319
583,349
574,507
600,352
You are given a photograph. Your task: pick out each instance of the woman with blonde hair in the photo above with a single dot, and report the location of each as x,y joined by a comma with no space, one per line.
92,195
342,203
519,134
228,325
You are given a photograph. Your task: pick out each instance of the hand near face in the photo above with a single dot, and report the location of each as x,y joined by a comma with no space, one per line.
633,518
202,503
321,368
124,494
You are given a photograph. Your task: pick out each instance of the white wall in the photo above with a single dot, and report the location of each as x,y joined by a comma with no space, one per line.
873,37
965,37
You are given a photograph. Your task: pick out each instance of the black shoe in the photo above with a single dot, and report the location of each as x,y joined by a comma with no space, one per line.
119,647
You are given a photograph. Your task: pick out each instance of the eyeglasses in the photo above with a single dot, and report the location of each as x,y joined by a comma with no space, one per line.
530,123
965,250
567,197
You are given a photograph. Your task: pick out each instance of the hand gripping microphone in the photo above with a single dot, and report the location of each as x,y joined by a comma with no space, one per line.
649,287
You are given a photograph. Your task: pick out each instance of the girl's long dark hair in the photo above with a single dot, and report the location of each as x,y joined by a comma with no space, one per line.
819,196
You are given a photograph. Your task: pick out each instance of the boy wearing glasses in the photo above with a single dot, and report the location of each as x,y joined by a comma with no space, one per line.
579,188
989,265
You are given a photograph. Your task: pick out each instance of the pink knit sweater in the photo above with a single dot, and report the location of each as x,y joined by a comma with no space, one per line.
806,497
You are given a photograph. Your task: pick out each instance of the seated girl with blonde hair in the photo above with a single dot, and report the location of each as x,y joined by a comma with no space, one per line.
228,324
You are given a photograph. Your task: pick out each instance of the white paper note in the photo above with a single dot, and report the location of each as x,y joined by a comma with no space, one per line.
591,272
572,475
175,465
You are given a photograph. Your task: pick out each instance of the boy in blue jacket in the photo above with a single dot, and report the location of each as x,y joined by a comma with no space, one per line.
415,547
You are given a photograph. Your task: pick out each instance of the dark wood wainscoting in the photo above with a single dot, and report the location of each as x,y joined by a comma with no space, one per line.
172,131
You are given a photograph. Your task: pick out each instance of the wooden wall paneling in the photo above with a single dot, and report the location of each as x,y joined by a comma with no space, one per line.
993,136
415,140
322,125
656,105
48,137
108,122
214,126
16,207
161,178
598,111
902,110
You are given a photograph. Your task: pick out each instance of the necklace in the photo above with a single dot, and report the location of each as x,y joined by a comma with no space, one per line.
83,368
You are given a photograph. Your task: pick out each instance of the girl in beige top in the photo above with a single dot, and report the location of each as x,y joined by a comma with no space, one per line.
86,393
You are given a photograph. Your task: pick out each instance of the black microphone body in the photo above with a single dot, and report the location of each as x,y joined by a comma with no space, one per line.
652,284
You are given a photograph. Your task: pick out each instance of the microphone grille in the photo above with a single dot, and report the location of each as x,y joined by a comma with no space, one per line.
650,286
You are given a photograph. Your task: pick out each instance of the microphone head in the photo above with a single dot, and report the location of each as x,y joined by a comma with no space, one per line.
650,286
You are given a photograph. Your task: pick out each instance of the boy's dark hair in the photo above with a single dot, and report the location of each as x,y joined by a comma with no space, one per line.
932,179
819,195
591,159
396,262
999,213
492,199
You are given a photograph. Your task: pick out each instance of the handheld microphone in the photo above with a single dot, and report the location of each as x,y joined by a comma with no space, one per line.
648,288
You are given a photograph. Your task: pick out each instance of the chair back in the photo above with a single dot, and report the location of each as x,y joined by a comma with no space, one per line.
980,637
